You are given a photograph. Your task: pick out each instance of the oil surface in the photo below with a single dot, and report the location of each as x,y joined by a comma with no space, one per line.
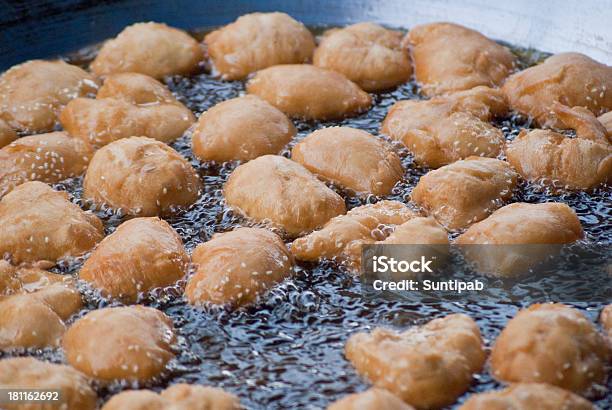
287,352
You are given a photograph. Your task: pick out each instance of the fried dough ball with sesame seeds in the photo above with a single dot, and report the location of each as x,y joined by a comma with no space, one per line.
48,158
241,129
571,79
7,134
235,268
256,41
351,158
30,373
466,191
371,399
551,343
367,54
142,177
33,94
528,396
427,366
127,105
50,228
446,129
308,92
153,49
448,58
606,320
142,254
282,192
122,343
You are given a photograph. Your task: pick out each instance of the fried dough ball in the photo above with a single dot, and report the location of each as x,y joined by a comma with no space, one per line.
351,158
528,396
30,373
309,92
606,121
448,58
142,177
443,130
371,399
606,320
49,158
466,191
150,48
587,126
551,343
275,189
235,268
142,254
32,94
49,228
127,105
121,343
572,79
175,397
241,129
367,54
427,366
359,225
7,134
256,41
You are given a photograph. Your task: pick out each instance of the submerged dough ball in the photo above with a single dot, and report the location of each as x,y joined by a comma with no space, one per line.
528,396
466,191
275,189
309,92
122,343
150,48
235,268
7,134
142,254
48,158
33,94
367,54
241,129
48,229
427,366
142,177
445,129
351,158
572,79
127,105
448,58
551,343
371,399
30,373
256,41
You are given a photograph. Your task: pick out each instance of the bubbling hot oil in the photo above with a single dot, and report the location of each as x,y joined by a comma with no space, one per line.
287,352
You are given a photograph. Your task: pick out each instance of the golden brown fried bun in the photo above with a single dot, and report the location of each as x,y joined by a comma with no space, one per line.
551,343
150,48
127,105
30,373
351,158
275,189
446,129
367,54
527,396
448,58
7,134
427,366
242,129
309,92
371,399
48,158
256,41
33,94
572,79
466,191
142,177
48,229
235,268
142,254
122,343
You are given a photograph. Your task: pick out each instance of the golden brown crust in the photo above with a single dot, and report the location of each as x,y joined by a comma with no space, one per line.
606,320
371,399
7,134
